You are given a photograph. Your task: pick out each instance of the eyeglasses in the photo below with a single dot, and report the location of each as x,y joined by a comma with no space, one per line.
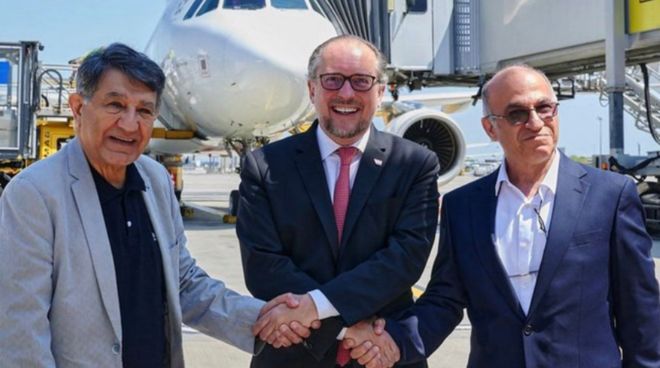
359,82
519,116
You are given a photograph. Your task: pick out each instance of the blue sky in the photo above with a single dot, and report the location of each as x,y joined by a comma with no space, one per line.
70,28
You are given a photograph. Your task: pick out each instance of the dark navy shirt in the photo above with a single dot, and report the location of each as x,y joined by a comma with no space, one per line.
139,270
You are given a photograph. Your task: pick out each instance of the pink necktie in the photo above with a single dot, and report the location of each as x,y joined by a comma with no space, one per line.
340,205
343,188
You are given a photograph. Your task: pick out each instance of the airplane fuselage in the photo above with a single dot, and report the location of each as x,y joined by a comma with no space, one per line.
235,72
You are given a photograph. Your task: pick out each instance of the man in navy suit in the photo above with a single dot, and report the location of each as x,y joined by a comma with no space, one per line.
550,258
343,215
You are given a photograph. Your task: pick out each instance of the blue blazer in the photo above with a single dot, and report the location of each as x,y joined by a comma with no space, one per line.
596,299
289,243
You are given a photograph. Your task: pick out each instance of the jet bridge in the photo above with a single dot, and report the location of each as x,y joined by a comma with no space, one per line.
449,42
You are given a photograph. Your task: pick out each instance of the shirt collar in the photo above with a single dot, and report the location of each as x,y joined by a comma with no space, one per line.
327,146
549,181
106,191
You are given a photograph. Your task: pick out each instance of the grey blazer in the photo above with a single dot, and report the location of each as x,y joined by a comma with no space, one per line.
58,292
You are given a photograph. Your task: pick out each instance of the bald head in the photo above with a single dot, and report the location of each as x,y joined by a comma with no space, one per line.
317,55
503,79
520,112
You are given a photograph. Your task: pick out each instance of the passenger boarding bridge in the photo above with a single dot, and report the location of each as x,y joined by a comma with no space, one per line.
459,41
462,42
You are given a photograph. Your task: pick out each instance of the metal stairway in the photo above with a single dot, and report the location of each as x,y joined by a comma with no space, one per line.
56,84
633,97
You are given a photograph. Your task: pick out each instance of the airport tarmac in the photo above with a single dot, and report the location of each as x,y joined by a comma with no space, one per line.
216,249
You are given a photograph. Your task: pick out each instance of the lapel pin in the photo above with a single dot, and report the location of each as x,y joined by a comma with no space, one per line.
378,162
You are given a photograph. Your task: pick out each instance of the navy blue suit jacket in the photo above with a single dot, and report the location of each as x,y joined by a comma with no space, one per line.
288,234
595,294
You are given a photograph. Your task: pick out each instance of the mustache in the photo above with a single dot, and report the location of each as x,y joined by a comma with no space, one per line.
346,101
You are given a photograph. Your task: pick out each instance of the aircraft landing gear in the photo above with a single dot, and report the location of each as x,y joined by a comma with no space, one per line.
239,146
234,197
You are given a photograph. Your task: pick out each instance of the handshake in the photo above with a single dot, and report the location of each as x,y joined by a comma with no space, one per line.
288,319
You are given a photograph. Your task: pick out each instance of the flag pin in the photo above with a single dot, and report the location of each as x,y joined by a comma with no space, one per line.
378,162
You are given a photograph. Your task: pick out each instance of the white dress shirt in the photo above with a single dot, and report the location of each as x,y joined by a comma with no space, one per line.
331,165
521,228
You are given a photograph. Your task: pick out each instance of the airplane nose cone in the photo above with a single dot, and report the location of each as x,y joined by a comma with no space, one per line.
266,67
240,73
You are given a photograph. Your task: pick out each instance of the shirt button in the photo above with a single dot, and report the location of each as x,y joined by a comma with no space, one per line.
129,223
116,348
528,330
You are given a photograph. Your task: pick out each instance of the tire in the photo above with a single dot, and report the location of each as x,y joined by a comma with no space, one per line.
649,194
234,197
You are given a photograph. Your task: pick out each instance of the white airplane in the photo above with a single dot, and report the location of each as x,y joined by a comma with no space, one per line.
237,72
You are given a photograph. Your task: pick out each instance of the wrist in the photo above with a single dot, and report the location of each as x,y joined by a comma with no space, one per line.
307,302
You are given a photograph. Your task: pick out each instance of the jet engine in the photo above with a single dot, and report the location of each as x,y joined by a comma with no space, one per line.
437,132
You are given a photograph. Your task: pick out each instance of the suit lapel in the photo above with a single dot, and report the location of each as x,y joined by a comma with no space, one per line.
377,150
310,167
569,199
483,207
91,216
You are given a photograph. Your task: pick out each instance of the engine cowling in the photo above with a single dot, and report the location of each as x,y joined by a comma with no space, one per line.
437,132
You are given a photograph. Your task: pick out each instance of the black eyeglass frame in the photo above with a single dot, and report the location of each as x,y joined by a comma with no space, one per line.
511,121
374,81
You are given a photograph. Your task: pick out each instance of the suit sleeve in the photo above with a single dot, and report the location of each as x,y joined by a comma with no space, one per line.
419,330
400,263
26,270
635,297
207,304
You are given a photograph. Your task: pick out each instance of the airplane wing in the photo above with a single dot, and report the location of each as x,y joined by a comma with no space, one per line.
448,102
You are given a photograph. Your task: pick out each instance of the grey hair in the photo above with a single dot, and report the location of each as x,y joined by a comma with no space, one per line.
486,88
315,58
135,65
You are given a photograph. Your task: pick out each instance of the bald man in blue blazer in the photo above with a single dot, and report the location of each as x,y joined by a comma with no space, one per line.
550,258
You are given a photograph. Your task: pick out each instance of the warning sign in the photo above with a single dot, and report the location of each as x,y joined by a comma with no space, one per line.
643,15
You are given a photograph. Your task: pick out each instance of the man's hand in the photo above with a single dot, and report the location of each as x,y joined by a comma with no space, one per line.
286,320
371,345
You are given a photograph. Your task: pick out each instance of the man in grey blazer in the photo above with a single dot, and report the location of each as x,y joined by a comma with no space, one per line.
94,269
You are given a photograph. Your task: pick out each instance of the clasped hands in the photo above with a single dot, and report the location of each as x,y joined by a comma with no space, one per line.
288,319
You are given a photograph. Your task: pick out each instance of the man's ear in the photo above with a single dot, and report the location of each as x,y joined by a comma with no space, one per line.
381,93
381,90
489,128
76,101
311,89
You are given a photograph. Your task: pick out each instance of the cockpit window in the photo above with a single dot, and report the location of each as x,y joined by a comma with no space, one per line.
288,4
207,7
244,4
416,6
192,10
